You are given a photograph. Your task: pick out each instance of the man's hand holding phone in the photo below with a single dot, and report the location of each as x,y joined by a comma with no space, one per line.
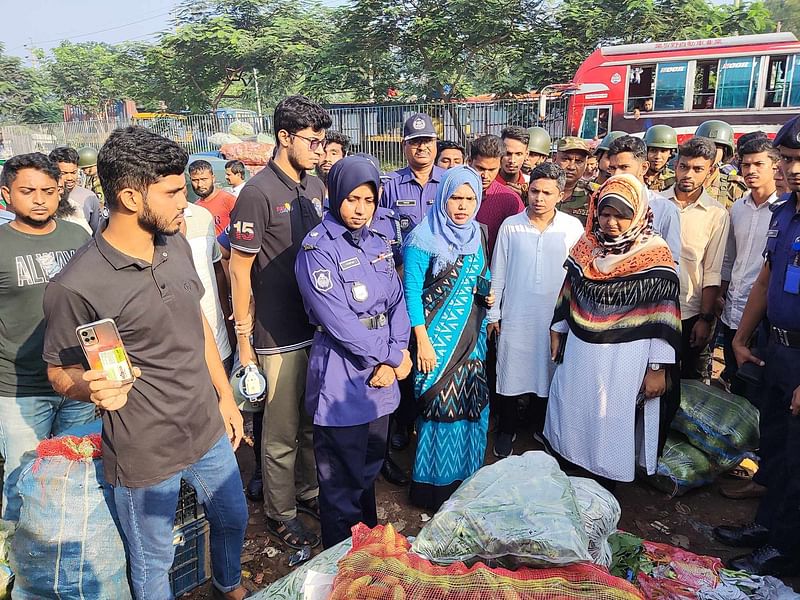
106,393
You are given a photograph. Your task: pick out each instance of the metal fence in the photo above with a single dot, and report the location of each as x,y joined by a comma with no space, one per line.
373,128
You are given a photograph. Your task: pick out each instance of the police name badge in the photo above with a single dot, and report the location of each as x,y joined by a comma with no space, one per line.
360,292
322,280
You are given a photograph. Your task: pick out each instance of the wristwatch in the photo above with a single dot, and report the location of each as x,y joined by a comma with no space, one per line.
655,366
707,317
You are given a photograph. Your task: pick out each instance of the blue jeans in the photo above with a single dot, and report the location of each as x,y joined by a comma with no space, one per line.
147,515
26,421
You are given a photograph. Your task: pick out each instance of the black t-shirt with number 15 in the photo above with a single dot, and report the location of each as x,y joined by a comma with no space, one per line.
270,219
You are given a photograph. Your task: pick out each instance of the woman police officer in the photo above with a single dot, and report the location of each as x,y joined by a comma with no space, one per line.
353,295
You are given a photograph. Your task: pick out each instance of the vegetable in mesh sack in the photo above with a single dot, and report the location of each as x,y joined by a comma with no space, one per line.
221,138
241,129
681,467
291,586
600,513
518,511
67,543
380,567
724,426
250,153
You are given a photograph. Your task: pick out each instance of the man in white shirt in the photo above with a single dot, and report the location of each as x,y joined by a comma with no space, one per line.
527,274
198,228
234,175
744,253
704,233
84,201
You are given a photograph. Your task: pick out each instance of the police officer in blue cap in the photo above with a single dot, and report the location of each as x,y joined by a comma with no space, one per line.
776,294
354,297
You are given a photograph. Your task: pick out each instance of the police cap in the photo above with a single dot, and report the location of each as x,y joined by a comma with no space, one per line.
789,134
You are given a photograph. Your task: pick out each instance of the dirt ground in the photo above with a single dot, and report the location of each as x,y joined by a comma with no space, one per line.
686,521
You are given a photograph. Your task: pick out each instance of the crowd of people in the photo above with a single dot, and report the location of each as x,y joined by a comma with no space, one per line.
562,295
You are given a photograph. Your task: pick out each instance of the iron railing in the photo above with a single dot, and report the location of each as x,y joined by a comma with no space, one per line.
373,128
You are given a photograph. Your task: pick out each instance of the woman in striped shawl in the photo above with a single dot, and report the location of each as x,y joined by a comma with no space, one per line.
615,329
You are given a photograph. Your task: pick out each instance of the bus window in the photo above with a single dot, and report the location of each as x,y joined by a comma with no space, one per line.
640,85
783,81
705,84
777,83
738,78
596,121
670,85
794,81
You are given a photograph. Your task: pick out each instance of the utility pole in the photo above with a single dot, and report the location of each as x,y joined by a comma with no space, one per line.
258,95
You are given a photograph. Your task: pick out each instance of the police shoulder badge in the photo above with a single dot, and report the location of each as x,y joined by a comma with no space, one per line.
360,292
322,280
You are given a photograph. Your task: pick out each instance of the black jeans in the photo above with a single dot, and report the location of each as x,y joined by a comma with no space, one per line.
348,462
779,509
508,411
691,368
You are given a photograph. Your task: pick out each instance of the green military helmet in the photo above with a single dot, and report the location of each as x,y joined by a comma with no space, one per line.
605,143
661,136
539,141
87,157
718,132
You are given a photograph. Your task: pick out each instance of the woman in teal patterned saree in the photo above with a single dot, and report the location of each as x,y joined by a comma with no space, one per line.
443,258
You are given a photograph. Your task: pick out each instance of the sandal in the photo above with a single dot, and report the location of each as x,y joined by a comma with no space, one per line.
309,507
292,533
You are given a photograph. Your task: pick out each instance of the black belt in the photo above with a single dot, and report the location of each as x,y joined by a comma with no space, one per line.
784,337
373,322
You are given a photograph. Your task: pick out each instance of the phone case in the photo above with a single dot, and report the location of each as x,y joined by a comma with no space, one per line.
484,286
104,350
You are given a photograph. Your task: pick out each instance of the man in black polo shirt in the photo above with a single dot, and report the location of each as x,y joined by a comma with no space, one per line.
274,212
171,423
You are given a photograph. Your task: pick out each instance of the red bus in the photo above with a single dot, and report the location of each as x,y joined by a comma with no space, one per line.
750,81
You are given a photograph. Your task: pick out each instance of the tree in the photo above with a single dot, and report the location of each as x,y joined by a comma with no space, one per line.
91,75
787,12
212,52
26,94
576,27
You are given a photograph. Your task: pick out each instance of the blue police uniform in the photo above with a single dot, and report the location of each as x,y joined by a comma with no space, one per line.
354,297
779,509
386,223
407,198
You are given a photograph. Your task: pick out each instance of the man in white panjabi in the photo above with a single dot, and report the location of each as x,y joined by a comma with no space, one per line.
527,273
620,311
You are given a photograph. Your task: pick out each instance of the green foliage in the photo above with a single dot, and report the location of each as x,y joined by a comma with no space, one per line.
787,12
26,94
360,50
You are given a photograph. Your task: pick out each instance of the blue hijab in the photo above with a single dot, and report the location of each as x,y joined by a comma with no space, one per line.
345,176
437,234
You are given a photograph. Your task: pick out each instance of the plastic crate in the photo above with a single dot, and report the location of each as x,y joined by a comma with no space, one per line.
189,509
192,565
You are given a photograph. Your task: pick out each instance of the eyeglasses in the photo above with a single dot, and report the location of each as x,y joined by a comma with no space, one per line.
420,141
313,143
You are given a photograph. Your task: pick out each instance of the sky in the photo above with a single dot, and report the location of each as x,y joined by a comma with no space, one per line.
47,22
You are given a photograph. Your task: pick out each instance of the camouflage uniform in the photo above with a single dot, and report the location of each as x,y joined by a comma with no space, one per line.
93,183
661,181
577,204
725,188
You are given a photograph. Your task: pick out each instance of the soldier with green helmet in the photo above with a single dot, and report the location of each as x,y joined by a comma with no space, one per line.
87,162
539,148
662,143
724,185
601,153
